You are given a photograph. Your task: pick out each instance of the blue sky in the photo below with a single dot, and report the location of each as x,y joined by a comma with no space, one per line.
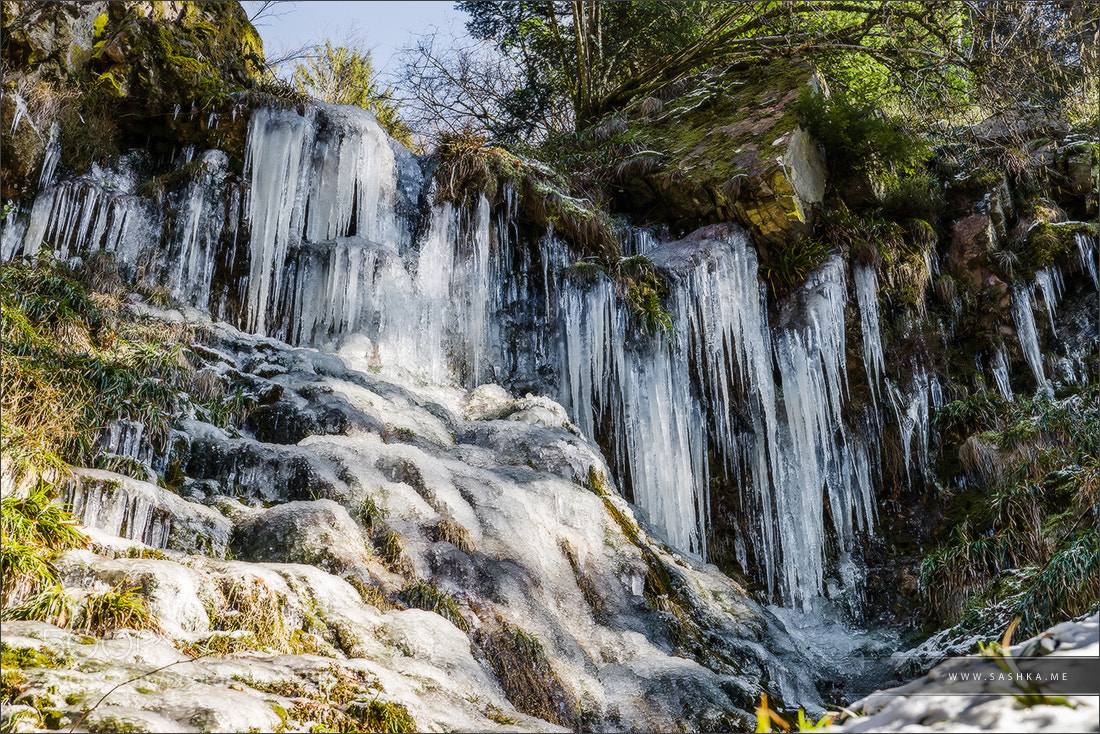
383,27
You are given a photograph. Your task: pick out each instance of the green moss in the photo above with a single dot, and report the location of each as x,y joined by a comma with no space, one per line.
1048,241
11,684
29,657
106,723
99,25
288,688
383,716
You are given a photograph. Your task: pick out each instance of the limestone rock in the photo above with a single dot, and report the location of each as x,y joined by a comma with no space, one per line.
171,590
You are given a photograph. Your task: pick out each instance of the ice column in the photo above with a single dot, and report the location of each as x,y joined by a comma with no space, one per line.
1028,335
867,296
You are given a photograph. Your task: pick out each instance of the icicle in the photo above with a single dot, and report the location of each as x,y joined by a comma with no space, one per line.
913,417
199,229
1049,280
815,455
274,163
20,113
1026,332
51,158
644,394
867,296
126,509
1000,376
78,217
1086,250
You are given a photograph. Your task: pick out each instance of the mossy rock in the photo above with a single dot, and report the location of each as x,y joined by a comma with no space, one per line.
1046,242
153,74
1079,163
729,148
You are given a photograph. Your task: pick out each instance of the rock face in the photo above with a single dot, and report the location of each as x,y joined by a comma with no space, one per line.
730,148
144,61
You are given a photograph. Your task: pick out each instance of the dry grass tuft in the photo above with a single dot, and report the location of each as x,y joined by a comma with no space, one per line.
529,680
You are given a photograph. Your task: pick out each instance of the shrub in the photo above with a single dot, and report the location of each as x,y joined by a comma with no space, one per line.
915,196
645,290
1025,544
383,716
858,138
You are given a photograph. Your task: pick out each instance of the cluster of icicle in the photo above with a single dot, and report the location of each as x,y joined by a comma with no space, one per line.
665,399
311,249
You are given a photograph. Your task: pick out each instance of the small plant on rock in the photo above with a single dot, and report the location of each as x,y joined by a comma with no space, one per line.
425,596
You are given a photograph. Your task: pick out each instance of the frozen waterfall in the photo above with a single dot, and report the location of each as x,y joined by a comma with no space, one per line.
327,239
662,401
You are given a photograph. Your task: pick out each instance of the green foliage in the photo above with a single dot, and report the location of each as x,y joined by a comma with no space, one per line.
346,75
29,657
370,514
1045,242
253,616
1025,544
392,550
766,716
470,167
578,62
859,138
792,262
960,418
918,195
645,290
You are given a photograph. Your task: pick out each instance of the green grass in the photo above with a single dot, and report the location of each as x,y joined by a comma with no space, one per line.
97,613
450,531
75,360
1025,542
423,595
33,530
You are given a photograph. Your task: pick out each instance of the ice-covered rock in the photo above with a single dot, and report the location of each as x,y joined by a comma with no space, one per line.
990,699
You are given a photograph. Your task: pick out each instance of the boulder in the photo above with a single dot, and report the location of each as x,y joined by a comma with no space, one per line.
319,533
144,512
730,148
972,239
